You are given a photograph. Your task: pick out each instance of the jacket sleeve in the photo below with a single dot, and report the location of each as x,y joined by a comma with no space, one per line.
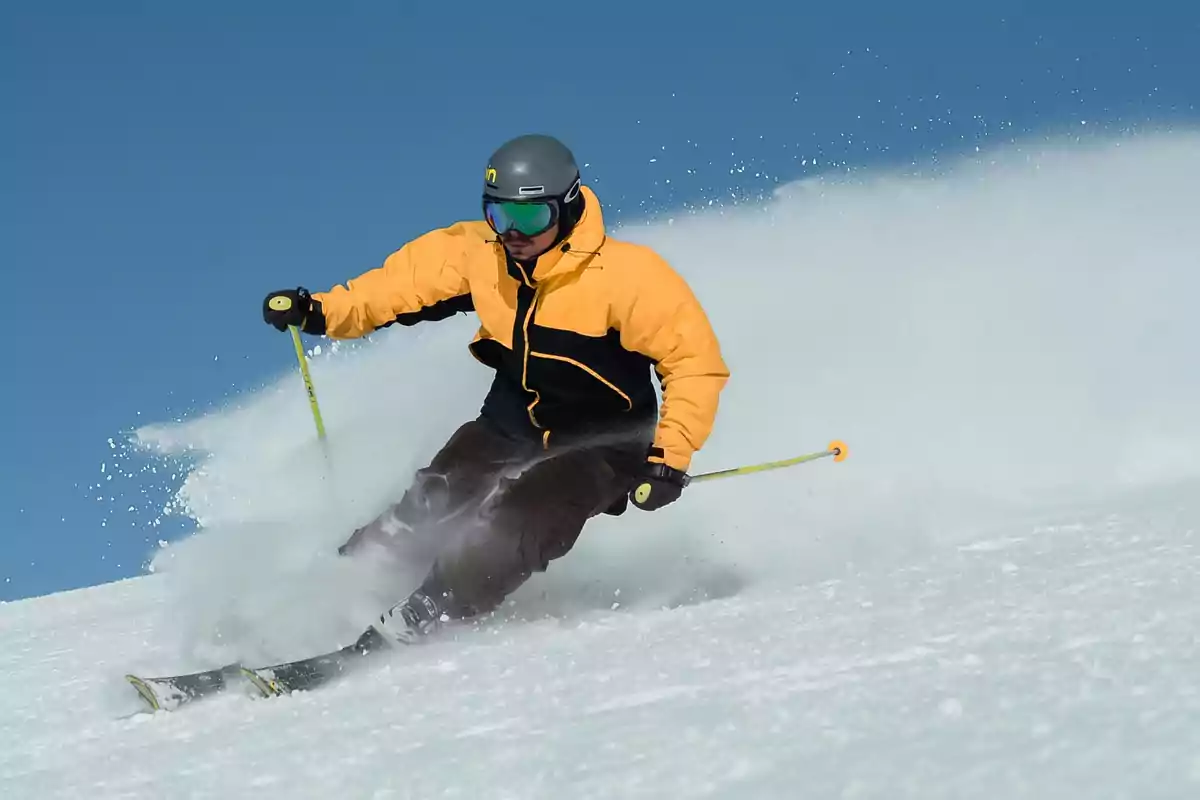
423,280
661,318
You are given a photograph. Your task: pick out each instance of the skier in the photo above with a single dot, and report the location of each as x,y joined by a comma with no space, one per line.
573,322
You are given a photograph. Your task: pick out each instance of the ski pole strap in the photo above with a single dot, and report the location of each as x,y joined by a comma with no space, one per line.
308,382
837,450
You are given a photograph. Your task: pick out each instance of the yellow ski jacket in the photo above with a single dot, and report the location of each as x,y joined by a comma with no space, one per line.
572,343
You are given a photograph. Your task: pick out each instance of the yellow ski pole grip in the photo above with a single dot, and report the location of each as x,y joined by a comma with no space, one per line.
280,302
642,492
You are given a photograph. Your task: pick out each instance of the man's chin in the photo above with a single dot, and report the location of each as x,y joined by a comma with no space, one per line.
521,250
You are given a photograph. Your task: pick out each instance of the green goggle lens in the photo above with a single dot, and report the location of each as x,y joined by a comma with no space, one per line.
527,218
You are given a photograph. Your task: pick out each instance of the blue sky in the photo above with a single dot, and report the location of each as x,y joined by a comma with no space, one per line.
164,166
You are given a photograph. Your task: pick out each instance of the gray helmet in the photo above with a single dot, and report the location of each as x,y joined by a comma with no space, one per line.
532,167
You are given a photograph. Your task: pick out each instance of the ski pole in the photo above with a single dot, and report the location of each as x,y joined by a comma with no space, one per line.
316,412
835,449
308,382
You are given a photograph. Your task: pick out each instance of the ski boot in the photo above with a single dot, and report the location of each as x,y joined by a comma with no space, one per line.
407,622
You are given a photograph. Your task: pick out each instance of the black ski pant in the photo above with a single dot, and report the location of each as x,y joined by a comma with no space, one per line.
490,510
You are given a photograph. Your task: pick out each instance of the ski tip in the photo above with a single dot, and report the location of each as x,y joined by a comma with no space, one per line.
145,692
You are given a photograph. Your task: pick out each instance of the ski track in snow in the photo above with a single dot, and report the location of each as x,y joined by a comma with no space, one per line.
994,597
1056,662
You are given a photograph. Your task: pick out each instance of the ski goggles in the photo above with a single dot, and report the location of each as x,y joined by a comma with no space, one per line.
526,218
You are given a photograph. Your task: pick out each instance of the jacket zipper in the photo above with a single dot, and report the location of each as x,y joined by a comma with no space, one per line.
525,354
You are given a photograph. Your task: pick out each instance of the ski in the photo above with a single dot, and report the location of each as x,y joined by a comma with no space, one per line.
309,673
168,693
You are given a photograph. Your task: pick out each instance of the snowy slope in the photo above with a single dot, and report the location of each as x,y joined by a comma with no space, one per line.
1047,662
993,598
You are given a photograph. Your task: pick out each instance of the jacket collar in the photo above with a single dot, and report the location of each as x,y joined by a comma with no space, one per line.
576,250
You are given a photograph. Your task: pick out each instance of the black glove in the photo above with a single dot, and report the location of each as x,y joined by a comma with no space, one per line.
658,485
294,307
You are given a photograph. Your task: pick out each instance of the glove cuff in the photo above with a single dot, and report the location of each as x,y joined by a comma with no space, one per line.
314,322
663,472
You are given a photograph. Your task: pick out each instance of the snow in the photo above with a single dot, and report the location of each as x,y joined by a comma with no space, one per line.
1070,674
994,597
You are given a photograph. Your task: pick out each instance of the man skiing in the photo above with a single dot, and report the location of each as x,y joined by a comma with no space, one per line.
573,322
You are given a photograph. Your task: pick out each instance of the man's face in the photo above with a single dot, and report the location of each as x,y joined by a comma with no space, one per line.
523,247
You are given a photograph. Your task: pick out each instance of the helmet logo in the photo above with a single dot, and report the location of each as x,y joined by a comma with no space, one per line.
491,174
573,192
